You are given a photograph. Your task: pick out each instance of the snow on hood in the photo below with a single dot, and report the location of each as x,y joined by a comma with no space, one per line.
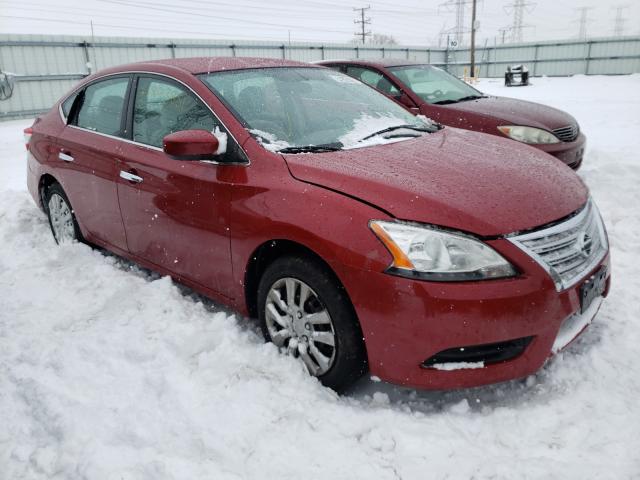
366,125
362,127
453,178
272,143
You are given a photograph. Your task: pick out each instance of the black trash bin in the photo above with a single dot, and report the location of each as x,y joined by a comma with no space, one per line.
516,76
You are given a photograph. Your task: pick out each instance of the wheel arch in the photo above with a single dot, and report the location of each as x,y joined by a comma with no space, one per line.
45,181
264,255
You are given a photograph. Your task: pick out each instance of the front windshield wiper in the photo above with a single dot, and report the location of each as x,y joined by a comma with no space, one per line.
327,147
397,127
471,97
461,99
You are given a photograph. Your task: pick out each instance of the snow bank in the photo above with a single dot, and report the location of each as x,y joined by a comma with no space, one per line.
109,372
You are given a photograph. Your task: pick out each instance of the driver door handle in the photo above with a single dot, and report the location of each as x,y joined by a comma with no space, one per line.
130,177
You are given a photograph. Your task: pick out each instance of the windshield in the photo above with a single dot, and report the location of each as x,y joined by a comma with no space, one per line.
287,108
434,85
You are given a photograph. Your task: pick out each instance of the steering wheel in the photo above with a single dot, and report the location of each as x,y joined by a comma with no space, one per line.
436,94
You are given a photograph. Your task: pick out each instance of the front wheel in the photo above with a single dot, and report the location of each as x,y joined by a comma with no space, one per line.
61,218
306,313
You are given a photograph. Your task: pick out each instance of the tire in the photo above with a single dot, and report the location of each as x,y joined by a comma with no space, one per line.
306,328
62,219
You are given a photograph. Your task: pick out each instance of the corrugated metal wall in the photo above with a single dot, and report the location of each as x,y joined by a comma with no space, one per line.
604,56
47,66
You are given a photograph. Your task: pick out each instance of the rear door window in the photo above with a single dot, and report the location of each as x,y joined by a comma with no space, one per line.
103,106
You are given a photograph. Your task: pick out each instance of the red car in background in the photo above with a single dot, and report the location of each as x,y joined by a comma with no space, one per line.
359,235
428,90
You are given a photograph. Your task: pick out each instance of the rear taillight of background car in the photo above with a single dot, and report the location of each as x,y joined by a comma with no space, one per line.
27,136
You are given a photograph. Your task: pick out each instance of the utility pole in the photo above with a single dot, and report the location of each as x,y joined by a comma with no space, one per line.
518,8
503,33
93,48
582,23
363,21
473,39
618,26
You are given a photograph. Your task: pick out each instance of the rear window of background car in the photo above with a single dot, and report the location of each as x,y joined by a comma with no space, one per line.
374,79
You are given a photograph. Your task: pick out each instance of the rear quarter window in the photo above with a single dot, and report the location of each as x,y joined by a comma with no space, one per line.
103,106
68,104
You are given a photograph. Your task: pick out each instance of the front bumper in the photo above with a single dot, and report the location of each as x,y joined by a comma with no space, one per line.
405,322
569,153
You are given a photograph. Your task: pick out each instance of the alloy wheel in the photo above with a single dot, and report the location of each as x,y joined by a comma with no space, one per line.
61,219
299,323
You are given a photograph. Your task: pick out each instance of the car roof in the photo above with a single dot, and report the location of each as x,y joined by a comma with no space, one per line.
211,64
382,62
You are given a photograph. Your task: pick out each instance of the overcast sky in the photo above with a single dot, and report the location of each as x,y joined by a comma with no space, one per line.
410,22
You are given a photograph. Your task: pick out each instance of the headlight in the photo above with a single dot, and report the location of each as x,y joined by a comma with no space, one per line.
528,134
432,254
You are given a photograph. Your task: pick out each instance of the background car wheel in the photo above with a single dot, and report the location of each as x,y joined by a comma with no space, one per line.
61,217
307,314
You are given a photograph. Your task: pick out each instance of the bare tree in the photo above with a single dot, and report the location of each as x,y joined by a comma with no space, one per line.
382,39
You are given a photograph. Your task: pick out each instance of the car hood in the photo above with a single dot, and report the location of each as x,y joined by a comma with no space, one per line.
453,178
511,111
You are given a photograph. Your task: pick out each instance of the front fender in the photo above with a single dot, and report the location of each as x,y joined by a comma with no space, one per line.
276,206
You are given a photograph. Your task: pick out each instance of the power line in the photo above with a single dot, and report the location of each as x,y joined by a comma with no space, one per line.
157,7
136,28
274,24
165,23
363,21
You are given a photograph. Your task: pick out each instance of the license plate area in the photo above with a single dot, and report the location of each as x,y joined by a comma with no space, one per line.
592,288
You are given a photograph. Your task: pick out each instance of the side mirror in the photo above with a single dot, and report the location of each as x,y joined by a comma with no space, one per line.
191,145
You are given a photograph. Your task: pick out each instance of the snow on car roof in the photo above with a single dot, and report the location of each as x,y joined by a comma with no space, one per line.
215,64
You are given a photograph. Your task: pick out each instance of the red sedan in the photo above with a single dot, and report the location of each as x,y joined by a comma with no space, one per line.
430,91
359,235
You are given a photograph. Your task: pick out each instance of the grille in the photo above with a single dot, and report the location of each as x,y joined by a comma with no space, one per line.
568,133
570,249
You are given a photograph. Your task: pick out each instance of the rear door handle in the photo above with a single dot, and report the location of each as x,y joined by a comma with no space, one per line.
130,177
65,157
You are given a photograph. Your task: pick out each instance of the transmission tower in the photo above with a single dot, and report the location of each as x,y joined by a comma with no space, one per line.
582,23
618,26
459,30
517,8
363,21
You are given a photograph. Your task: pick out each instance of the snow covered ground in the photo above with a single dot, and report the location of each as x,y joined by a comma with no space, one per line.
109,372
